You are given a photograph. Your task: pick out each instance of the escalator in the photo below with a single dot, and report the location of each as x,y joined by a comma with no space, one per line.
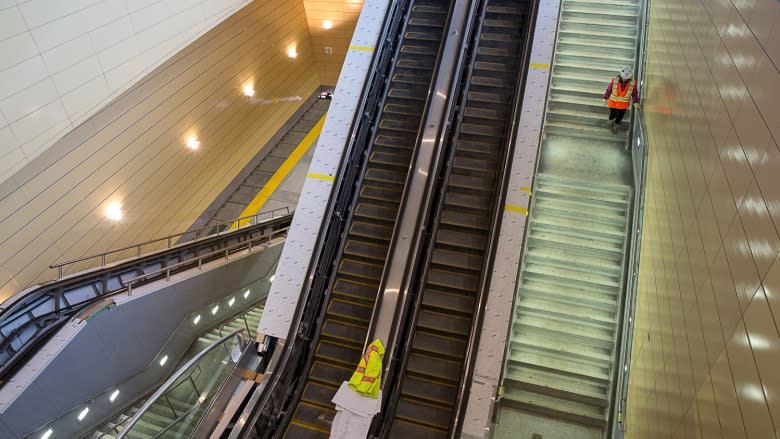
365,247
439,338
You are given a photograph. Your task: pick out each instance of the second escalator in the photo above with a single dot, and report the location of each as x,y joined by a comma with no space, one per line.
439,338
349,307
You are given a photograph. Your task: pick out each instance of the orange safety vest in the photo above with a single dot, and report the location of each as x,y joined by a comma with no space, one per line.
621,99
366,379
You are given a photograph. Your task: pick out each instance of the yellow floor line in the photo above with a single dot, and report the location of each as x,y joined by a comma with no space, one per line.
265,193
362,48
540,66
316,176
518,209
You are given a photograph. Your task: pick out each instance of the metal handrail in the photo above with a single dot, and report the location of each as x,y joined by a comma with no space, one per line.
165,387
200,258
241,222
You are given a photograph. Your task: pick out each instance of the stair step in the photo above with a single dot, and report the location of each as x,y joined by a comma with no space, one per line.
559,385
583,206
319,394
563,364
360,270
478,201
440,345
370,230
576,257
405,429
315,416
560,272
453,280
385,194
583,294
534,305
338,353
545,341
329,374
462,238
611,250
342,331
354,289
556,407
465,220
554,209
584,226
350,311
366,250
573,331
373,211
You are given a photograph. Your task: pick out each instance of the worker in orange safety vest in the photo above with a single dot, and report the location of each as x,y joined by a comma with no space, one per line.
619,96
367,377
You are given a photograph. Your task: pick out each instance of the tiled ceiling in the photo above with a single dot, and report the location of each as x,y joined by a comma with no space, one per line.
330,44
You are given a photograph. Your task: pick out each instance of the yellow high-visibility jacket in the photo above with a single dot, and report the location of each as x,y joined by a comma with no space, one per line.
368,375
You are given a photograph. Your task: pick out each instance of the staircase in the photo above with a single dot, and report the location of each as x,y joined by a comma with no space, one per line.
595,40
247,321
563,336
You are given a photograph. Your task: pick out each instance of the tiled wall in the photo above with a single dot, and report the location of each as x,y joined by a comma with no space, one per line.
60,61
706,355
331,23
134,150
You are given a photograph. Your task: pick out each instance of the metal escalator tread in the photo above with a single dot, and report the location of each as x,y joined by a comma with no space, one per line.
330,373
428,390
298,431
435,364
348,309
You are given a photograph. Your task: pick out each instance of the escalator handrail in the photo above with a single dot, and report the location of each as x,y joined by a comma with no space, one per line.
330,232
247,220
179,373
495,227
61,310
405,273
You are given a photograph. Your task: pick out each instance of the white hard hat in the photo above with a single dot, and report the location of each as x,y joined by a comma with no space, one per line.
626,73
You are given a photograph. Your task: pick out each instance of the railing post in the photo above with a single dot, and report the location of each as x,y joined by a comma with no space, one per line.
103,260
59,272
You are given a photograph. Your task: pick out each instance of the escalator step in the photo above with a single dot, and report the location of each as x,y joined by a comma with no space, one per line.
358,290
319,394
426,390
381,193
493,98
343,331
447,323
459,219
424,413
492,22
433,298
428,9
406,430
390,159
464,239
470,181
406,93
484,113
469,201
439,344
403,109
423,36
482,129
350,310
459,259
481,146
504,9
491,81
347,356
366,250
404,143
386,176
299,431
403,126
374,211
314,416
472,164
360,270
495,51
370,230
432,22
453,280
496,36
329,373
435,368
418,50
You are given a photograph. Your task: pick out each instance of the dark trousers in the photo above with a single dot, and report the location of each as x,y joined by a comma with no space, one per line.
617,114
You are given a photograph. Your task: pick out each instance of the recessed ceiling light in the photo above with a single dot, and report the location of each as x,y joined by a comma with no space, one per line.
327,24
114,211
249,90
292,52
193,143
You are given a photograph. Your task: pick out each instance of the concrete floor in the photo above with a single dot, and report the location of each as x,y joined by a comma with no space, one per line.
586,160
512,423
287,194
